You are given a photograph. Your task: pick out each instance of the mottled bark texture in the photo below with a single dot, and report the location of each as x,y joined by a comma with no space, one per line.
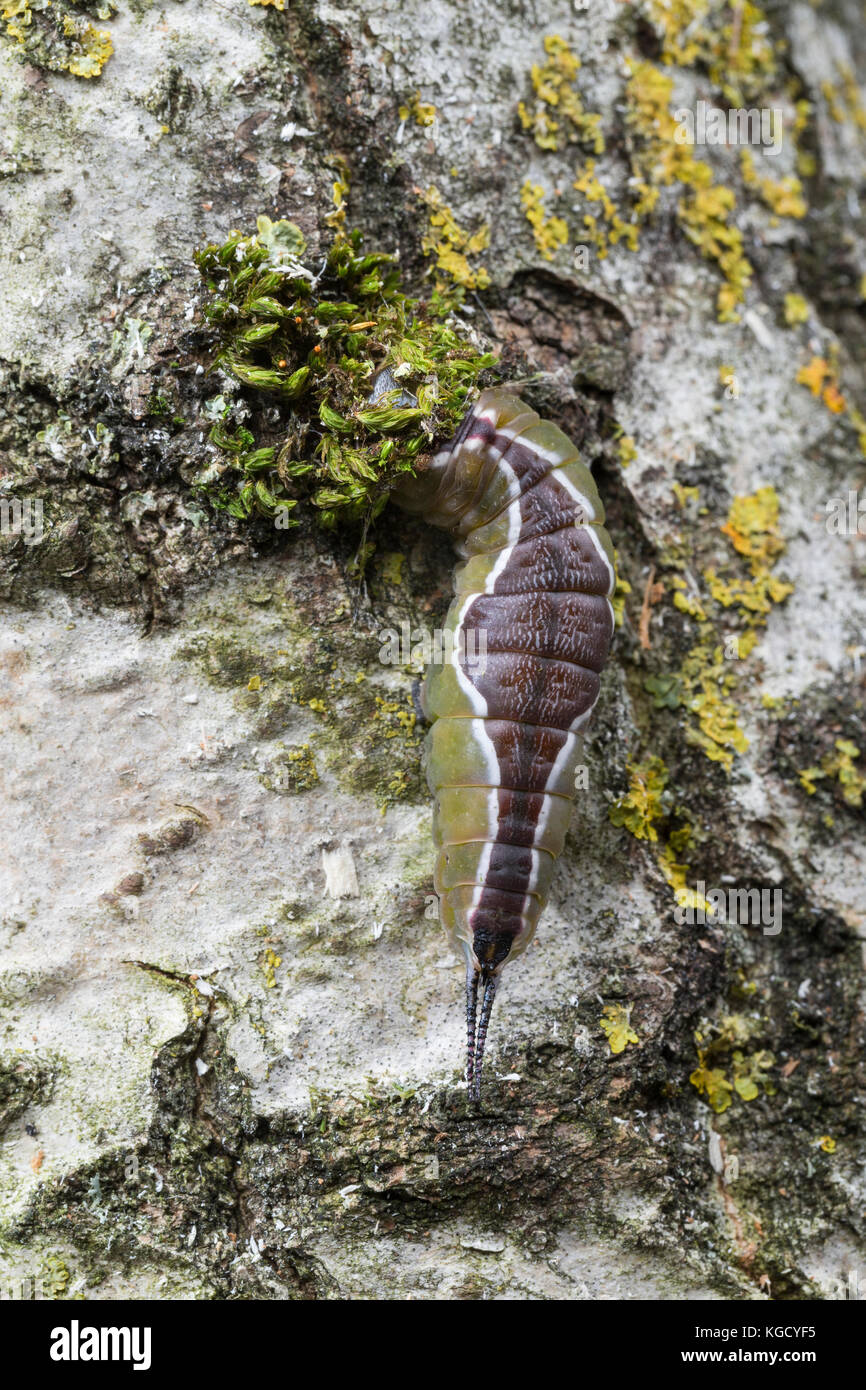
231,1034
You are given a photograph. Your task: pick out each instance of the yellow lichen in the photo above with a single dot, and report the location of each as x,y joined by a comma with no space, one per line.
753,528
729,40
614,227
814,374
804,159
783,197
820,376
557,117
645,802
620,593
718,733
615,1023
677,873
392,569
838,765
705,211
550,233
270,965
684,494
708,676
62,42
796,309
712,1082
686,601
844,99
339,194
452,246
627,450
750,1074
750,1071
422,113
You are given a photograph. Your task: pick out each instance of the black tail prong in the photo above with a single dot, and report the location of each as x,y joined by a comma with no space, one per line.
481,1036
471,1020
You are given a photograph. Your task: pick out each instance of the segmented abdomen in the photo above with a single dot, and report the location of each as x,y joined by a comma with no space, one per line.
530,626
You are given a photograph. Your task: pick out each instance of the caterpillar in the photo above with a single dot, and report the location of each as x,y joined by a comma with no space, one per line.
527,635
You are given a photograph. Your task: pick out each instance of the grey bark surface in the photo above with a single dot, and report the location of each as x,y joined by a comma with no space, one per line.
231,1032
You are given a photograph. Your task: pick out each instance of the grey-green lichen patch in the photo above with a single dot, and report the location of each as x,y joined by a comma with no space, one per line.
24,1081
324,679
291,769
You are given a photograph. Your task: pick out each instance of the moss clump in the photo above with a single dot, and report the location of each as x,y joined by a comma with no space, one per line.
53,34
361,378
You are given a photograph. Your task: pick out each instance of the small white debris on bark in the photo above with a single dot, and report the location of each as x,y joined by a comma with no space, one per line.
341,880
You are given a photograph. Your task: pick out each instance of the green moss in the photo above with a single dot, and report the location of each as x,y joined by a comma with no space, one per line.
311,341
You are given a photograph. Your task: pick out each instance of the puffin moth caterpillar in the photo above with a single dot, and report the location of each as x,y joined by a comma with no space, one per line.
535,580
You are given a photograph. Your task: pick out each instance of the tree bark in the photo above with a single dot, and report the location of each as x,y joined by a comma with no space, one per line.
232,1033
